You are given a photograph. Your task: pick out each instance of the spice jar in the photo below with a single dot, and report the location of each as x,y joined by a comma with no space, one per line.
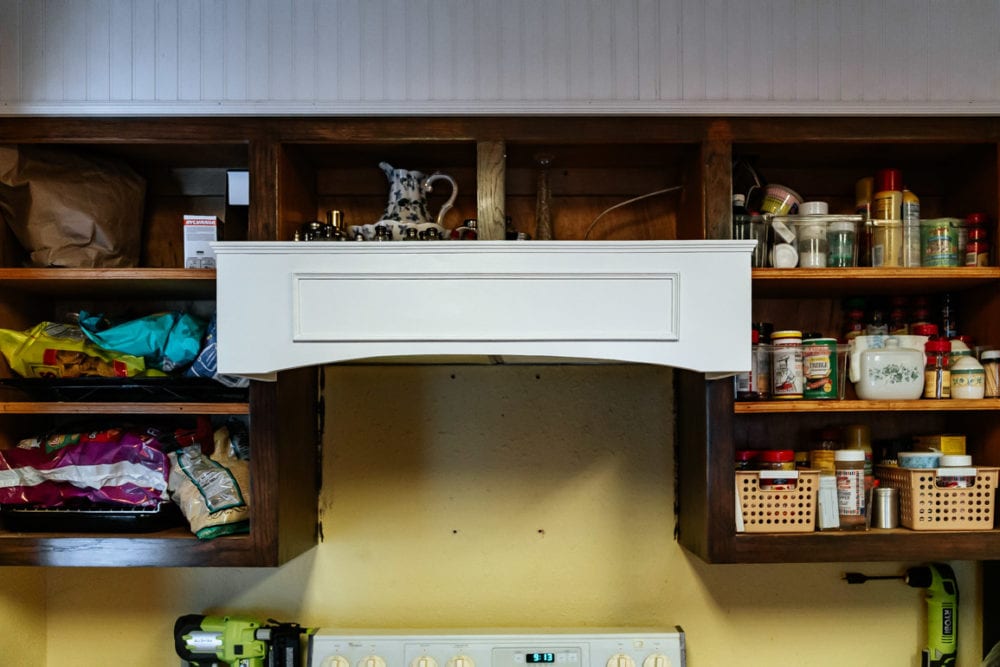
776,459
991,373
977,251
937,377
746,459
786,364
850,465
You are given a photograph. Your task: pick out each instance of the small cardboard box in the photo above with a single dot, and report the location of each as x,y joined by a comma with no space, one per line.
946,443
199,232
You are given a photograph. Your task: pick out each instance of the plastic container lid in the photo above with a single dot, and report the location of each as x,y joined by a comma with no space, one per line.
955,460
786,334
776,455
814,208
746,454
849,455
925,330
989,354
977,218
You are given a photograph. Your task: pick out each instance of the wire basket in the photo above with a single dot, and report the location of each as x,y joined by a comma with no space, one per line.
778,510
924,504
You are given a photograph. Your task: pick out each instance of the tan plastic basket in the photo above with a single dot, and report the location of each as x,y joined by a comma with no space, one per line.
778,511
924,506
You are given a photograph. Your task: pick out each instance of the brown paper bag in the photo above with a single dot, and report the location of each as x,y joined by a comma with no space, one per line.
71,210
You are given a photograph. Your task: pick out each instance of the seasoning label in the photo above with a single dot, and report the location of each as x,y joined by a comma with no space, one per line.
787,369
850,492
819,367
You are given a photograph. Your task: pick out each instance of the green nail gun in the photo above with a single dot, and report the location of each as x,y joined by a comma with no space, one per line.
942,612
237,641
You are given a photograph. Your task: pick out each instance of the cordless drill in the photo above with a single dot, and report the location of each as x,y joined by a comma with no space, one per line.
237,641
942,612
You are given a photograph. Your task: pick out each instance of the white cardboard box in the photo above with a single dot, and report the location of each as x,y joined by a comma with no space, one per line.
199,233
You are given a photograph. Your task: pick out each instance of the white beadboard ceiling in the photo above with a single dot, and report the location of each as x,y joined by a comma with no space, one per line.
262,57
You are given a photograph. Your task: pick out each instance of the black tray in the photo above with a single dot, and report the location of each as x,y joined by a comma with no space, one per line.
92,519
151,390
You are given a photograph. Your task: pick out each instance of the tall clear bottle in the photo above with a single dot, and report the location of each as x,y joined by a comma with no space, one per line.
910,213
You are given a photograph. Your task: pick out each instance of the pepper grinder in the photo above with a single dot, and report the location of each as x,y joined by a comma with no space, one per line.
543,199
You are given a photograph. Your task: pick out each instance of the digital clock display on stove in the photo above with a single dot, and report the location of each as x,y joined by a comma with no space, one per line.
540,658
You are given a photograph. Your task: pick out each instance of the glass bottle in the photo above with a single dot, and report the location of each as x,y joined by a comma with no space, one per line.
937,377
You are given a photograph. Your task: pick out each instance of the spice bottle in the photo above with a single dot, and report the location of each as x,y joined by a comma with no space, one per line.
821,455
786,364
859,437
991,371
977,251
910,214
937,377
747,383
887,202
850,472
776,459
863,207
949,318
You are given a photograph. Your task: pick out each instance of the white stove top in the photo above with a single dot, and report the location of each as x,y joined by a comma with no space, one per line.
500,648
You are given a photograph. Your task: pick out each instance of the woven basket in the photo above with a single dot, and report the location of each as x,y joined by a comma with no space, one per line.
778,511
925,506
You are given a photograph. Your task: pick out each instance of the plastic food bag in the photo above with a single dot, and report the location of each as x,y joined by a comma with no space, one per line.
72,210
167,341
109,467
206,364
212,491
52,350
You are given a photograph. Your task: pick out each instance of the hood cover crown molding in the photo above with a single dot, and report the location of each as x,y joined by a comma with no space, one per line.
285,305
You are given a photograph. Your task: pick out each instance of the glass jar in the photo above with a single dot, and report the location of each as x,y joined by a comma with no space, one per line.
776,459
850,471
990,360
937,376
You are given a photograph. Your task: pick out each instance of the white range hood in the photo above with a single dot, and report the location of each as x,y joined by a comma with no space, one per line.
285,305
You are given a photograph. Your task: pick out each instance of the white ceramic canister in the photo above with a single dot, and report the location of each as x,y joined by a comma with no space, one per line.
968,379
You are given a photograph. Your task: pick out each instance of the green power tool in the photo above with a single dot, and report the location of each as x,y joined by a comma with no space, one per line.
237,641
942,612
941,585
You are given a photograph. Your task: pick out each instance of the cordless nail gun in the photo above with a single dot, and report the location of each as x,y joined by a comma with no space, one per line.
237,641
942,612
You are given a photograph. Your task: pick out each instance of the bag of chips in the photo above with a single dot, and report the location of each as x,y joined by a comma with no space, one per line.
53,350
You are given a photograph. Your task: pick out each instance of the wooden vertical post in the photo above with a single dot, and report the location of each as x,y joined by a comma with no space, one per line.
491,169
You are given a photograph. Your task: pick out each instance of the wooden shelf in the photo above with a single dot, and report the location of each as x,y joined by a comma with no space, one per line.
799,283
105,408
918,405
120,283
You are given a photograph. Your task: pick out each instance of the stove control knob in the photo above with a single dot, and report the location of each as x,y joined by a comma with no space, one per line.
371,661
424,661
657,660
621,660
336,661
461,661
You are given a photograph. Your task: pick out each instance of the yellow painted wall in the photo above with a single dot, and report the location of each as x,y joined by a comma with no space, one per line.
505,496
22,617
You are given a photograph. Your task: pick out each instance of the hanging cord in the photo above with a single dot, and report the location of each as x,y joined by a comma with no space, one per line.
626,203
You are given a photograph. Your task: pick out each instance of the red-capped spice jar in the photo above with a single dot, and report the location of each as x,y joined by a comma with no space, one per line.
937,376
776,459
746,459
977,250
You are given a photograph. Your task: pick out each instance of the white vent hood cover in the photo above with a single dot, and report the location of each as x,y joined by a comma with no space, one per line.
285,305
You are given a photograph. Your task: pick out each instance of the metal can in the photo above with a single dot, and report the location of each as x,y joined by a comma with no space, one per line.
786,364
939,242
819,368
